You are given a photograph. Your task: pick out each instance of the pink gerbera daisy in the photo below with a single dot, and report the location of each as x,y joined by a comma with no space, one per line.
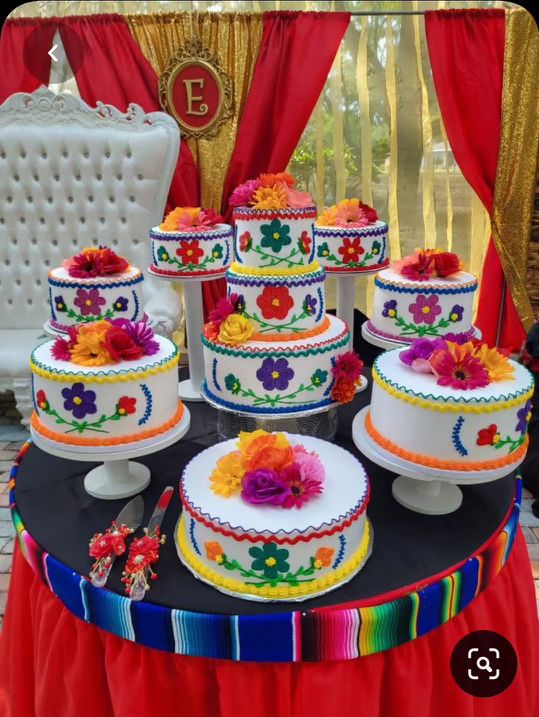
302,489
223,309
458,369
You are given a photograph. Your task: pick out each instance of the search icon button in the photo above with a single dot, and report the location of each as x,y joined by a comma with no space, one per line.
483,663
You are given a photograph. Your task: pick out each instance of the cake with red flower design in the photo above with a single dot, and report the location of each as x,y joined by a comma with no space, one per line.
269,346
191,242
94,285
350,238
423,295
472,398
107,383
282,517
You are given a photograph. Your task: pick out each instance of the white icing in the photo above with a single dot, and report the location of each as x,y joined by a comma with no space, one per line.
208,241
334,236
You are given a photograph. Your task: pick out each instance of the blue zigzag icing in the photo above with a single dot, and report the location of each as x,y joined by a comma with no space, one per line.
340,554
214,374
227,255
321,306
51,302
201,236
377,231
137,306
149,403
425,290
241,281
332,382
193,539
455,437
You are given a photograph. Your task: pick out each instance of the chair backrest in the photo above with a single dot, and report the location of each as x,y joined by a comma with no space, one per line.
72,176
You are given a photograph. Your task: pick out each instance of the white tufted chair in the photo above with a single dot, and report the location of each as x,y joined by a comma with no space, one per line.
72,176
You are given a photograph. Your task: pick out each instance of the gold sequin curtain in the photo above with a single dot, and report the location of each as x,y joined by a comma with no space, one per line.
517,161
234,39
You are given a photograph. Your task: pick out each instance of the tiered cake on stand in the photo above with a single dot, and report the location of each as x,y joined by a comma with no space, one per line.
191,246
350,241
273,358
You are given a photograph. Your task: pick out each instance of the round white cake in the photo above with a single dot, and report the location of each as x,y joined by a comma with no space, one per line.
310,551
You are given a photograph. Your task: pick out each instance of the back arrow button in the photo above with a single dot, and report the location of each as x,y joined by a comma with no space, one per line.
51,53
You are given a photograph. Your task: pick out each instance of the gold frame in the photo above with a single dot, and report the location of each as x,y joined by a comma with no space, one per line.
194,52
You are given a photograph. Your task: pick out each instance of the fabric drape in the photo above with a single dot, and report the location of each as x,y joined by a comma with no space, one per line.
466,49
234,40
15,76
52,663
295,57
514,191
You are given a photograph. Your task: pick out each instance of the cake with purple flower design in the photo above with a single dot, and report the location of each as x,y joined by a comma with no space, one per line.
282,517
472,398
424,295
107,383
94,285
269,346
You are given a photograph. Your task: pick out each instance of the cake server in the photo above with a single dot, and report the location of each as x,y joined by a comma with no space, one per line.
105,547
144,552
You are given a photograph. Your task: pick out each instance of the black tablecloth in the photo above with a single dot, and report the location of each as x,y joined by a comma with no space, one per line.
408,547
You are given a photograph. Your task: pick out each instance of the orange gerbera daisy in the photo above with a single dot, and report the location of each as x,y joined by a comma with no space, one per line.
497,365
89,348
270,180
270,197
226,478
179,217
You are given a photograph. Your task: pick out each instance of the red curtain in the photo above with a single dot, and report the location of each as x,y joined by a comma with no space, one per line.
16,77
52,664
466,49
294,60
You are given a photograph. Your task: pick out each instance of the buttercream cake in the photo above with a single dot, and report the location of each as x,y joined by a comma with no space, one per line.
94,285
274,516
103,386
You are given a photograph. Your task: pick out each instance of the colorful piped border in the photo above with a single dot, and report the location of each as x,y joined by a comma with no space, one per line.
286,592
243,408
299,271
246,213
189,274
456,404
359,232
100,376
211,234
85,284
336,633
116,441
404,288
304,279
431,462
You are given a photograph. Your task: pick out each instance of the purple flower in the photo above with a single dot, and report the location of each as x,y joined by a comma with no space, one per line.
60,303
239,304
390,309
456,313
419,353
120,304
264,486
275,374
309,305
79,401
461,338
141,333
89,302
523,415
425,309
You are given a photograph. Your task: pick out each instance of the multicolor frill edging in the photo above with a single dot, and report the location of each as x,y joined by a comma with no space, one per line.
310,636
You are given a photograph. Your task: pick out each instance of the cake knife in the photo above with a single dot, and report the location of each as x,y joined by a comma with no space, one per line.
144,551
130,516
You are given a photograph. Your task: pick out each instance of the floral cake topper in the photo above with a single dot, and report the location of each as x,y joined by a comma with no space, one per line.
351,213
190,219
95,261
106,342
425,264
267,469
270,191
458,362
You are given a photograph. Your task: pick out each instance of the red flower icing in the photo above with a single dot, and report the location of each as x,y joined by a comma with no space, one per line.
351,250
305,243
486,436
245,241
190,252
127,405
275,302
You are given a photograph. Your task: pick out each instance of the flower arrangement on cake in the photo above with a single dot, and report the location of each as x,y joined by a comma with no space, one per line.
106,342
267,469
191,241
425,264
270,191
95,261
350,237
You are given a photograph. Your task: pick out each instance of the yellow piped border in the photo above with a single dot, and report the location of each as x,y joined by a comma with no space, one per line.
258,271
111,378
278,593
452,407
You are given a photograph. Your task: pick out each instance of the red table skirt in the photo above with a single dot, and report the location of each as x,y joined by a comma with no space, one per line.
54,665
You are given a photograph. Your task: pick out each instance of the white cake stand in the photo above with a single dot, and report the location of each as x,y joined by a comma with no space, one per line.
48,328
118,477
432,491
346,282
384,343
189,389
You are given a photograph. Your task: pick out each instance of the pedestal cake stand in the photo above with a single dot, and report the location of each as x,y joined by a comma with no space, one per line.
432,491
318,422
346,282
384,342
118,477
189,389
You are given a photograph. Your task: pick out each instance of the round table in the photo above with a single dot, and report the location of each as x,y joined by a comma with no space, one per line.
381,643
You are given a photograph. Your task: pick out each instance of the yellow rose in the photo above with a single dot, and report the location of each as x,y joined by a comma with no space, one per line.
235,329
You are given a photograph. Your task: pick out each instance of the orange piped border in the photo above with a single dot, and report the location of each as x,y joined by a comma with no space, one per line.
307,334
438,463
96,442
